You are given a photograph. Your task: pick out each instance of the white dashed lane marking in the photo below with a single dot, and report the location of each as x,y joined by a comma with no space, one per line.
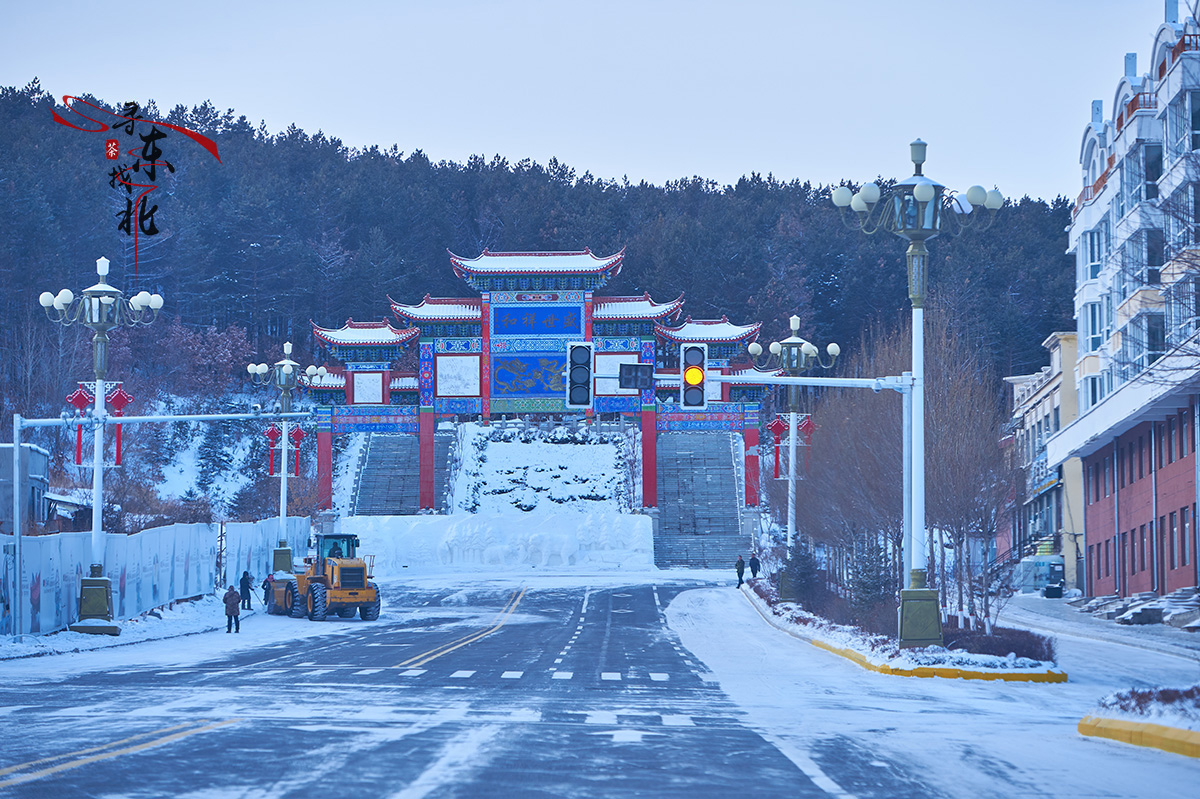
610,675
563,675
511,675
659,676
678,721
462,674
368,671
412,672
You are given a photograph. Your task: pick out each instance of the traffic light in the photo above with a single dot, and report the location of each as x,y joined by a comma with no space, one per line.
693,363
579,374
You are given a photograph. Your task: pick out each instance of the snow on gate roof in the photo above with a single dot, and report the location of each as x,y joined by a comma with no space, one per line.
711,330
505,263
440,309
365,334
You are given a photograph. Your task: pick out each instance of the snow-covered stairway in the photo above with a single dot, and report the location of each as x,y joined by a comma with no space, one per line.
388,482
699,505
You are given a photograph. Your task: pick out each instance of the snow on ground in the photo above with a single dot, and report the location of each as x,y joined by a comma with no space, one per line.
953,737
489,541
882,650
1067,624
516,469
345,470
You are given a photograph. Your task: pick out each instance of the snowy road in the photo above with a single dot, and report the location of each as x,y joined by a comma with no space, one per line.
549,690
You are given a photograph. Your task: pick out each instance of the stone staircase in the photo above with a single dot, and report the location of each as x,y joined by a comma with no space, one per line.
699,501
388,481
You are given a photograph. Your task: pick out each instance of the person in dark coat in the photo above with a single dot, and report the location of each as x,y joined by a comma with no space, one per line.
233,606
267,585
741,569
754,566
244,585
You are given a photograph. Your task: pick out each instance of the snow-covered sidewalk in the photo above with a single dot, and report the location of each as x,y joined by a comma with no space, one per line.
945,737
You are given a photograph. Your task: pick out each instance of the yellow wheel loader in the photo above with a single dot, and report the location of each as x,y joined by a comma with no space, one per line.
335,580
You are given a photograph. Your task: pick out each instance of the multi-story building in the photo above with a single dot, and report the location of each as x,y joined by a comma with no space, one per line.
1048,507
1135,233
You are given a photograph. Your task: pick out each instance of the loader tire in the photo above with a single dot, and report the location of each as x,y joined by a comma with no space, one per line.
317,607
346,613
370,612
295,608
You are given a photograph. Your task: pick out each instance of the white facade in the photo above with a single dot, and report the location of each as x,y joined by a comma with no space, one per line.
1135,223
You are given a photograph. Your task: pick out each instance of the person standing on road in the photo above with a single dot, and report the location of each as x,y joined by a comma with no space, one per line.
233,606
754,566
244,584
741,569
267,585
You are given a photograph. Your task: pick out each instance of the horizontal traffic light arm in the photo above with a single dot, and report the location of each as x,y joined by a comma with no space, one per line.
900,383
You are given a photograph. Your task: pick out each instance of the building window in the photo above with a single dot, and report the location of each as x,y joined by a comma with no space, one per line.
1131,460
1158,433
1171,530
1156,252
1142,554
1094,249
1121,466
1095,326
1132,550
1171,440
1153,170
1141,457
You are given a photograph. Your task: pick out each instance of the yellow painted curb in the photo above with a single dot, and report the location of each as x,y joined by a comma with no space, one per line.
944,671
1137,733
921,671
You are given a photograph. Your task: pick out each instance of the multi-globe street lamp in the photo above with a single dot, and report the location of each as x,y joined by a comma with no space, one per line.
793,355
100,308
917,209
283,375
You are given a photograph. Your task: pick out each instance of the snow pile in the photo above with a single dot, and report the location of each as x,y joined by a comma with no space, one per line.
181,618
1170,707
504,541
881,650
507,469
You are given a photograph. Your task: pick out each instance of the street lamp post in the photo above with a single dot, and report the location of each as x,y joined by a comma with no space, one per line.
282,375
794,355
100,308
917,209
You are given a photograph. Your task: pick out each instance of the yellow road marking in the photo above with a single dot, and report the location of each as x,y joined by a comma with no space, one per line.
83,761
445,649
503,610
20,766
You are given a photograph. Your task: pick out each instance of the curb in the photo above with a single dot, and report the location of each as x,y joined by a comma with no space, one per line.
947,672
1157,736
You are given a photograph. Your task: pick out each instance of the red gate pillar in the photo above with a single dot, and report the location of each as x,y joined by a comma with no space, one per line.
427,421
750,436
324,458
650,458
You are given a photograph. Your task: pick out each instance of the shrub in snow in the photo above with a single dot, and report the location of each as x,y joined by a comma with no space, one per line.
1172,706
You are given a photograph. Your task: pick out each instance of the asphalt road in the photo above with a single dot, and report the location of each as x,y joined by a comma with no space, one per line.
488,693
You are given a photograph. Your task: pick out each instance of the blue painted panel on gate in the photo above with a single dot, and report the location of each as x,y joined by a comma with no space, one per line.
539,375
537,319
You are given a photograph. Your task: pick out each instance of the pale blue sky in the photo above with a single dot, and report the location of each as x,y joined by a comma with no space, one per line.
815,89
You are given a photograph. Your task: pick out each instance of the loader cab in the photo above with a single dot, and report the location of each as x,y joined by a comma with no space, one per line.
336,546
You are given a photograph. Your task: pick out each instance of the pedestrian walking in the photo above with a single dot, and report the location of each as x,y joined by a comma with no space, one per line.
754,566
244,585
741,569
233,607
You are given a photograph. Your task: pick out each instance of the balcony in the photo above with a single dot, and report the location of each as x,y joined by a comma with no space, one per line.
1142,101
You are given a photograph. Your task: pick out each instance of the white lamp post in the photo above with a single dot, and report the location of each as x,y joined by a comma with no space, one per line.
794,355
917,209
100,308
283,376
